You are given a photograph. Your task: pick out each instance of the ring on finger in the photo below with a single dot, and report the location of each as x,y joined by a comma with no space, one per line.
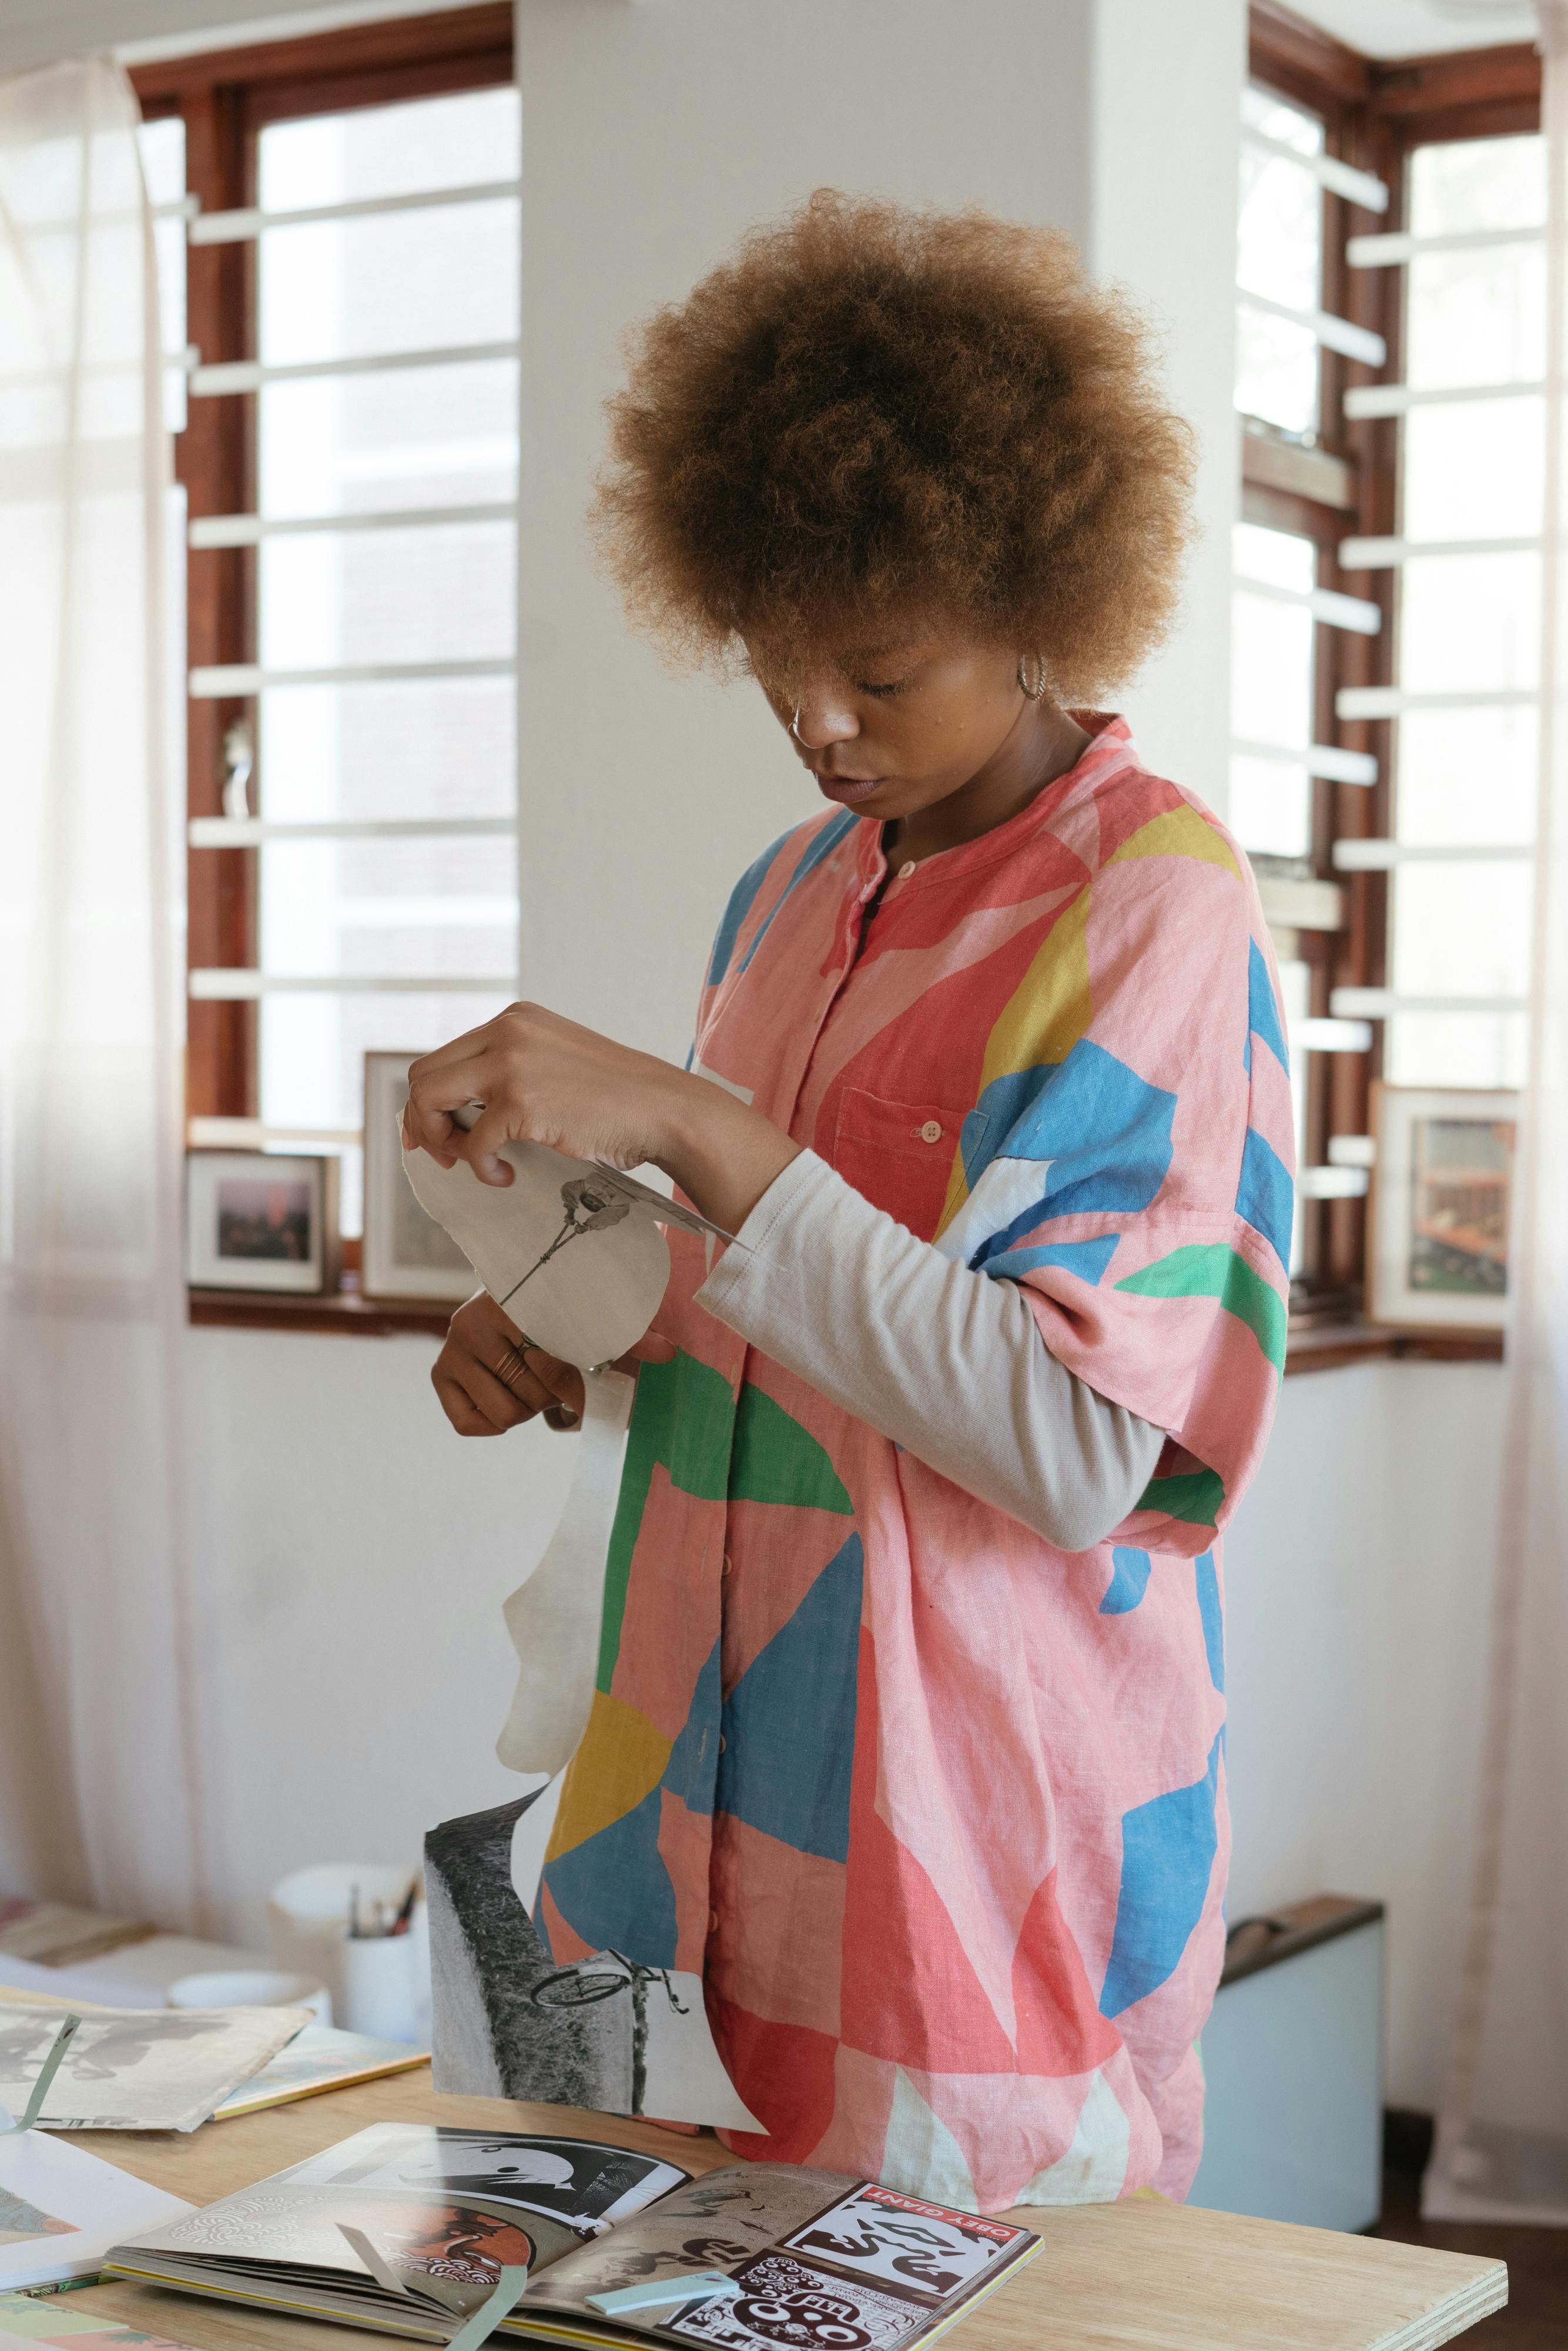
511,1363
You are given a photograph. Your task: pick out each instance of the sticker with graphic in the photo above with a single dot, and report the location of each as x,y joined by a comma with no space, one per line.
923,2247
786,2305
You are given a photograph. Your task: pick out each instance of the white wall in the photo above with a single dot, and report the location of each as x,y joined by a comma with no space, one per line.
350,1554
1358,1580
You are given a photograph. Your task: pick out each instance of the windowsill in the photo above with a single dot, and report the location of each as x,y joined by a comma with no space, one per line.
1329,1347
342,1311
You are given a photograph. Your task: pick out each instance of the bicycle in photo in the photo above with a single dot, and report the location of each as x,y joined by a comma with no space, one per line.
583,1983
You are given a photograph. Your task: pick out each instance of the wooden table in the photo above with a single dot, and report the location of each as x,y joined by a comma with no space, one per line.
1136,2276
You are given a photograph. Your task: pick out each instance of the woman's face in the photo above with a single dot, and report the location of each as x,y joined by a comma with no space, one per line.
892,727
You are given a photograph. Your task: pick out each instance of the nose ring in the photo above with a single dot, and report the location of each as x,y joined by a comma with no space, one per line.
795,730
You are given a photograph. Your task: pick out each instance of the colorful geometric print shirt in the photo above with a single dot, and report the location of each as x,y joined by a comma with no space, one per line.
939,1811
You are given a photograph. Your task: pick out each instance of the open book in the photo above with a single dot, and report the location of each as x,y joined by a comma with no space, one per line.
773,2255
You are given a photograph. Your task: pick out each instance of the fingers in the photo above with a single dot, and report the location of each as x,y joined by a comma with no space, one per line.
439,1083
564,1382
460,1408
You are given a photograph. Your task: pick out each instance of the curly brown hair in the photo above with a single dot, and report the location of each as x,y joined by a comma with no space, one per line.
875,414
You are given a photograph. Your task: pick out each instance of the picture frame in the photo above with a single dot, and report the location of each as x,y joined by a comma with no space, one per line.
405,1254
262,1220
1439,1211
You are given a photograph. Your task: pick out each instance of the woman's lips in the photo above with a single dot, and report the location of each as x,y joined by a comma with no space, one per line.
846,788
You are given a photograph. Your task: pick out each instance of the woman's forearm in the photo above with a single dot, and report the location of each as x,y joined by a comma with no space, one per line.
947,1363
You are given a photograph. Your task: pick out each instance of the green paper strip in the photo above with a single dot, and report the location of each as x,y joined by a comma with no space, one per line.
489,2314
47,2072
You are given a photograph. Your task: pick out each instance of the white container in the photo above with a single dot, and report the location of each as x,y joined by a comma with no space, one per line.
385,1985
251,1988
308,1916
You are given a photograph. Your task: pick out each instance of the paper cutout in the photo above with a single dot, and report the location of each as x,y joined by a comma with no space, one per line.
571,1249
554,1617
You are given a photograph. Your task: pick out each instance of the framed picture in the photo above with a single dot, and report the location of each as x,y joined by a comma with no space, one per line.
1441,1196
406,1253
261,1221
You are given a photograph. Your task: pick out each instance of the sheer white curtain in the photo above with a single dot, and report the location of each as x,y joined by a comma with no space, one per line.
99,1795
1503,2141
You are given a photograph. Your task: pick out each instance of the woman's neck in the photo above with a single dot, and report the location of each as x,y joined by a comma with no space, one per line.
1044,744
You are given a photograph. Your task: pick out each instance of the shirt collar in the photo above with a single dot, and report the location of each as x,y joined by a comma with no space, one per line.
1109,751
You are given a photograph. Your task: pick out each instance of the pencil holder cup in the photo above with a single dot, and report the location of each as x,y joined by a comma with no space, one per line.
309,1915
385,1985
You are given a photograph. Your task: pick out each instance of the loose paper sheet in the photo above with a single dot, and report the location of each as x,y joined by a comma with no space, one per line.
138,2068
61,2209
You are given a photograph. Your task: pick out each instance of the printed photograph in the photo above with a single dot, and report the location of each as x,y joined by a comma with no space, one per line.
1460,1176
406,1252
604,2032
264,1220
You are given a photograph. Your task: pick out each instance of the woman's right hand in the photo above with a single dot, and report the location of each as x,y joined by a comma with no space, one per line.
490,1378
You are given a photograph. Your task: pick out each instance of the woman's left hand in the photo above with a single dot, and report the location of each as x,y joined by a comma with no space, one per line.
545,1080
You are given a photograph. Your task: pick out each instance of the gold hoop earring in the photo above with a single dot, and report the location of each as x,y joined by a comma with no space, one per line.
1037,690
795,730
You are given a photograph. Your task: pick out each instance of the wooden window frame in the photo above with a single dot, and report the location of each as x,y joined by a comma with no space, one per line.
224,97
1374,113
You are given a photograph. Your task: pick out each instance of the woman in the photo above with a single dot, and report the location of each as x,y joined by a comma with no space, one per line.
907,1729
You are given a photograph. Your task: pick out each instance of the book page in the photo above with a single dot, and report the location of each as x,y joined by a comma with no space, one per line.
710,2224
824,2263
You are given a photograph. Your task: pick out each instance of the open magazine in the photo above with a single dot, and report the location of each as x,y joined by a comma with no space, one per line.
776,2256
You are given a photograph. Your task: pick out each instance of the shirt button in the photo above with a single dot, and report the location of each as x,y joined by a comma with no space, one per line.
723,1742
905,871
728,1567
713,1922
932,1131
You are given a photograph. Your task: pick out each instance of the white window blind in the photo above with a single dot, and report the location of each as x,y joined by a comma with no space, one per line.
384,392
1472,447
1279,605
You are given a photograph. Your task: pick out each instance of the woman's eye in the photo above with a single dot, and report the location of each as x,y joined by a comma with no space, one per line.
883,692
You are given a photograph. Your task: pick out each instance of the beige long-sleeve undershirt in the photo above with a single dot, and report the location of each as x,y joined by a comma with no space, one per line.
947,1363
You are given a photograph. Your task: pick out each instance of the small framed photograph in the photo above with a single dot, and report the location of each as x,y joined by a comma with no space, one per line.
406,1253
1442,1193
261,1221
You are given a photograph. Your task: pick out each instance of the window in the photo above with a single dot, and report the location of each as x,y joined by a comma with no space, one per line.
347,309
1471,430
1390,334
1288,748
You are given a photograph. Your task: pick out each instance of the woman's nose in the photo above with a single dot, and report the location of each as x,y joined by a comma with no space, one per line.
824,718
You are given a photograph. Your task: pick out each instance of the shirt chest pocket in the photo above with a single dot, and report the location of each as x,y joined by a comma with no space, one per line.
899,1154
